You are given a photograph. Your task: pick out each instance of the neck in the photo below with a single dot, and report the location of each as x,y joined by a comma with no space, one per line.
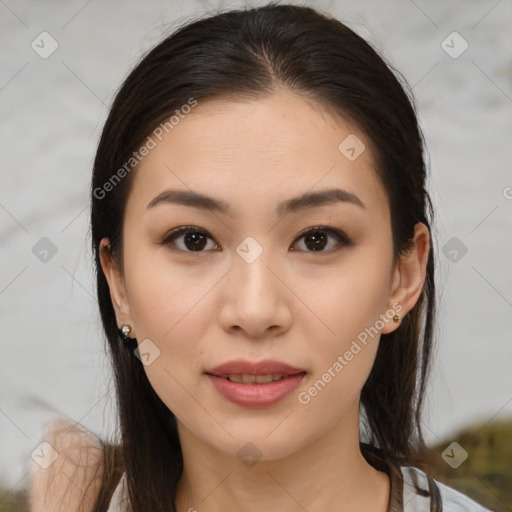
328,474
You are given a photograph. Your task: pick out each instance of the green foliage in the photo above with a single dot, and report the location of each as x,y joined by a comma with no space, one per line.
13,501
486,475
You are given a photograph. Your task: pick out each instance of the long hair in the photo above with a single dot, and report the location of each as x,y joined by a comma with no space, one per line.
249,54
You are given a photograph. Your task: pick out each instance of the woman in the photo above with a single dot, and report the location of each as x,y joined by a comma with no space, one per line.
265,273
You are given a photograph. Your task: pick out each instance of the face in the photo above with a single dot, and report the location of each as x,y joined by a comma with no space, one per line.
263,276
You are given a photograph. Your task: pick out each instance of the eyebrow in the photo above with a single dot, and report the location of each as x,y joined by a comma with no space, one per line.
295,204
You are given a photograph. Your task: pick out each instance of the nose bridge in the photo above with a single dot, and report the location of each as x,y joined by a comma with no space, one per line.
255,297
251,269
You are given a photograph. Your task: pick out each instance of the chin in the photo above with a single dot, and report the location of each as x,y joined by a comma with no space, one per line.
260,444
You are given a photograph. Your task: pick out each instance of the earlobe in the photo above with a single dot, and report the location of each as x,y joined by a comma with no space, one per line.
410,274
115,283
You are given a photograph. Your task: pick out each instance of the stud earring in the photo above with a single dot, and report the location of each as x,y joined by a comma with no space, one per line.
396,318
124,333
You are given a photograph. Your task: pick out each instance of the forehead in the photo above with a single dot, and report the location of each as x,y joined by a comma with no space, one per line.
266,150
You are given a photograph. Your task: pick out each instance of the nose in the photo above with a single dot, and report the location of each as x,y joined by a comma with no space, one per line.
256,300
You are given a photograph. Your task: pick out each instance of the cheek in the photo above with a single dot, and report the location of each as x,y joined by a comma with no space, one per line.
350,298
164,296
350,304
166,303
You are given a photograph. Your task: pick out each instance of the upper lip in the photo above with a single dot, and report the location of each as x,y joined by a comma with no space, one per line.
265,367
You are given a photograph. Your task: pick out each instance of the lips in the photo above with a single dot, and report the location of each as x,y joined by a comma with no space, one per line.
266,367
253,379
252,384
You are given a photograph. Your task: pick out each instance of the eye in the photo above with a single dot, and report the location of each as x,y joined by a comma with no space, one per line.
193,239
316,239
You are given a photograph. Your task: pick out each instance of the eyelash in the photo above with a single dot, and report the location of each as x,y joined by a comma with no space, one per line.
343,239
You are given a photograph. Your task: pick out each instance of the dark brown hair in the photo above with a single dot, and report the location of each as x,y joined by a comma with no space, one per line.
247,54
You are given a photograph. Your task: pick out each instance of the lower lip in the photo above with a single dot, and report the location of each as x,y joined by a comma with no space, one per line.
256,395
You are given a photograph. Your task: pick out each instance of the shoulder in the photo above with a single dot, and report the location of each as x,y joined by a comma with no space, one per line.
120,500
65,469
452,500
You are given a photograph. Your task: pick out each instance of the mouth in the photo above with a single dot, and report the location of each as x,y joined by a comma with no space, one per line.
255,385
243,371
244,378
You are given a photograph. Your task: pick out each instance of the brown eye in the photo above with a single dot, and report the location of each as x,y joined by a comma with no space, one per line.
192,239
188,239
317,239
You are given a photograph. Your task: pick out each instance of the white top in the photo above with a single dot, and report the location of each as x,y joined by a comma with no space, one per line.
453,501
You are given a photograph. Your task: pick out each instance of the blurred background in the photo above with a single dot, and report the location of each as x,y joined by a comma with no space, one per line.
60,66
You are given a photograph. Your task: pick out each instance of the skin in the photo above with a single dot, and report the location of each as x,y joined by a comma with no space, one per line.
292,304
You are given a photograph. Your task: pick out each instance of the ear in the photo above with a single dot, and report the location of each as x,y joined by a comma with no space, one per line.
409,275
116,285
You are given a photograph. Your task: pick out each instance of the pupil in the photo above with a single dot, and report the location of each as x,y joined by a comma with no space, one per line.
319,241
198,241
